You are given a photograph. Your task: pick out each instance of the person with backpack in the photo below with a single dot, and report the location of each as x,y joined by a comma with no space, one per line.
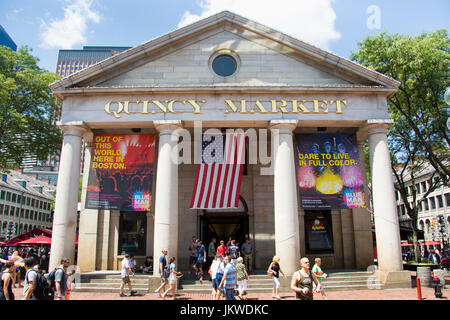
233,251
31,277
61,279
172,277
201,260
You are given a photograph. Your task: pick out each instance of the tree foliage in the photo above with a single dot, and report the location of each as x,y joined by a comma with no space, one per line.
27,109
419,138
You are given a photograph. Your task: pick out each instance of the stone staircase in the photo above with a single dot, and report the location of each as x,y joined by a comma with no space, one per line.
109,282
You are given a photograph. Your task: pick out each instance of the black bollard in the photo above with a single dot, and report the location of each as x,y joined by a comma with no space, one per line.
437,287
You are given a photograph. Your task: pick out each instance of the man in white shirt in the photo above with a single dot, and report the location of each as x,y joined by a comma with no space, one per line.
125,275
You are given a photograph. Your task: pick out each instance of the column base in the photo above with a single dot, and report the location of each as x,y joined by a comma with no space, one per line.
394,279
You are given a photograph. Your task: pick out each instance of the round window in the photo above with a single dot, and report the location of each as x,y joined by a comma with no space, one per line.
224,65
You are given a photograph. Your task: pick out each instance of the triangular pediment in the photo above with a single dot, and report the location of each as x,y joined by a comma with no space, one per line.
265,58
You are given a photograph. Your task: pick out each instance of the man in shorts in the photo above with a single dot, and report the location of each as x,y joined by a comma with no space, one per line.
201,260
320,275
125,275
164,280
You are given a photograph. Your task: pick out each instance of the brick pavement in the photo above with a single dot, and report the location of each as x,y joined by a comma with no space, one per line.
387,294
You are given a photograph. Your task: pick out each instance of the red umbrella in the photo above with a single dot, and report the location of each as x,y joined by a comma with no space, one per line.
2,243
37,240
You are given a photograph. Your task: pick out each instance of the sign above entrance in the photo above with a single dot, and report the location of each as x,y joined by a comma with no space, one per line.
329,172
121,172
178,106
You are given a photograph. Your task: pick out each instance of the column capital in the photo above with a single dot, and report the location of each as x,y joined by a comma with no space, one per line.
77,128
373,126
88,137
167,125
283,125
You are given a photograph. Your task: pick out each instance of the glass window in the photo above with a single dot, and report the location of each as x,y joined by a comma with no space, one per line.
27,212
447,199
427,206
14,197
11,211
132,233
1,209
32,202
440,201
2,195
433,203
8,196
319,232
28,201
6,212
424,186
224,65
40,204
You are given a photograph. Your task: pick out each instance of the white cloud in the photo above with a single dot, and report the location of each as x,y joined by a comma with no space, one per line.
306,20
71,29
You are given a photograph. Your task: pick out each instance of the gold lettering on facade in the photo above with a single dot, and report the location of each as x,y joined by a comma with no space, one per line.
318,106
282,107
338,105
260,107
233,107
115,113
296,105
197,108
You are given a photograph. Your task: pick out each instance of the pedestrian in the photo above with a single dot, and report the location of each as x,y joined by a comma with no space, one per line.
320,275
221,249
229,279
125,275
61,279
434,258
242,277
132,263
302,281
162,265
193,257
172,278
233,251
201,260
216,271
30,279
275,269
211,252
247,250
16,258
6,292
229,241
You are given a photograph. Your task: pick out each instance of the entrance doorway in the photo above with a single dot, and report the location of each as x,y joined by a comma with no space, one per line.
222,226
225,223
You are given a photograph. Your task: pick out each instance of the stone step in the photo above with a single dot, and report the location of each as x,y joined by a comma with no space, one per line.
108,290
348,283
349,274
209,286
353,287
110,285
347,278
115,281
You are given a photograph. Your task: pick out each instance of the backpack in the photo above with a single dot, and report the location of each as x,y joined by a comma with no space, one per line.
42,289
166,271
51,278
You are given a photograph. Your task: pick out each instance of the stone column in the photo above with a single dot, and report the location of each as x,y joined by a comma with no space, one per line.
287,242
387,229
166,195
87,240
65,216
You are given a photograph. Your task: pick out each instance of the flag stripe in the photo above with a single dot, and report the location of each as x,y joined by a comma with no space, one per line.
218,179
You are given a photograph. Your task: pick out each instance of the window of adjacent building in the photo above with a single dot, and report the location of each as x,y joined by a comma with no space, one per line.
2,195
427,206
319,232
132,233
11,211
447,199
27,213
14,197
28,201
1,209
433,203
21,213
32,202
440,201
424,186
8,196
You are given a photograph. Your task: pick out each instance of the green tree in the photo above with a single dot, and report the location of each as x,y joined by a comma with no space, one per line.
418,139
27,109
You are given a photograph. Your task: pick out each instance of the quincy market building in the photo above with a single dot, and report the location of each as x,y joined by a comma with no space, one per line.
228,72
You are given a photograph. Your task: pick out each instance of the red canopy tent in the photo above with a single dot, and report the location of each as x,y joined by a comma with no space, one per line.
429,243
39,240
35,232
406,244
2,243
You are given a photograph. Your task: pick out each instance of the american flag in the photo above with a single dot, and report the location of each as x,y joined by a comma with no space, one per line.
219,175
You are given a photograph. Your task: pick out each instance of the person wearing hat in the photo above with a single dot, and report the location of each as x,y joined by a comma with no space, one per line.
125,275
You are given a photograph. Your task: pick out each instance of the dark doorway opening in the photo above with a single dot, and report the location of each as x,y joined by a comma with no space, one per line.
222,226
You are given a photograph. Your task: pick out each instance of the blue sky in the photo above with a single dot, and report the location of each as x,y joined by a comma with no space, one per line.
335,25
